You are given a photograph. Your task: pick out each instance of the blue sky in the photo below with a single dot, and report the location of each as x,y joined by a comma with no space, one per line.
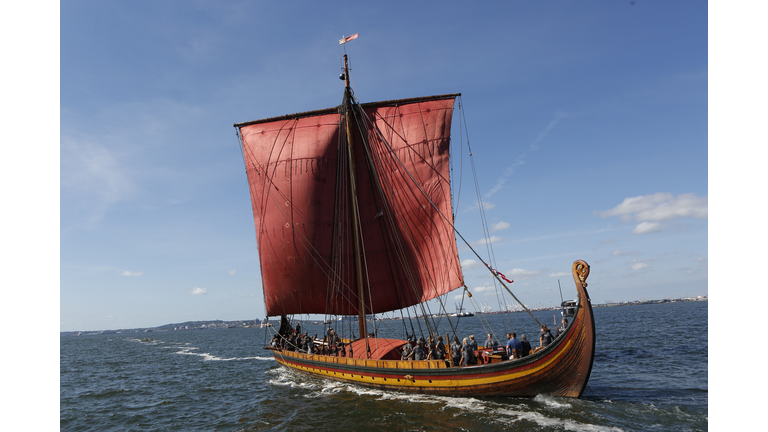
588,122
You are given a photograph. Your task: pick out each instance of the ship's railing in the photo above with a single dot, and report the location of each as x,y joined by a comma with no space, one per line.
388,364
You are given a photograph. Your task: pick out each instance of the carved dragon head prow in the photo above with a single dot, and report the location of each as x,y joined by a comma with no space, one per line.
580,272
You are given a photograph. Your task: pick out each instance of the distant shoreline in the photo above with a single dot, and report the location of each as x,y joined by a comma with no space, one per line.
218,324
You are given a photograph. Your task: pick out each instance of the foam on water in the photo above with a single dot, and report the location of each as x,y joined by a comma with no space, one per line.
551,401
211,357
497,412
505,416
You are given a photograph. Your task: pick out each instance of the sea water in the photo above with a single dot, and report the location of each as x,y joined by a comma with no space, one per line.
650,373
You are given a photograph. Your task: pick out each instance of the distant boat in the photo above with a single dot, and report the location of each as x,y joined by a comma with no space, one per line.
462,313
353,216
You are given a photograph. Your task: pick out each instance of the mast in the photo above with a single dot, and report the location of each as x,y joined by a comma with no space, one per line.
354,207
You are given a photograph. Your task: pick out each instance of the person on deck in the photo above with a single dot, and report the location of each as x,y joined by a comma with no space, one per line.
472,342
439,352
526,346
455,352
561,329
468,353
490,343
514,348
407,352
419,353
310,346
545,337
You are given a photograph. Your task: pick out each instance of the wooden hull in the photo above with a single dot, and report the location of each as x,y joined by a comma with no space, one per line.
560,369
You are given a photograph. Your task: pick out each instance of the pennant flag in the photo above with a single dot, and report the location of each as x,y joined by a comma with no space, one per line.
500,274
348,38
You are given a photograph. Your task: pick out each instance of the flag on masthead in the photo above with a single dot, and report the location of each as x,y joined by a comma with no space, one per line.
348,38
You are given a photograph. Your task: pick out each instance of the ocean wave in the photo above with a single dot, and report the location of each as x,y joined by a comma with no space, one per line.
211,357
505,416
501,413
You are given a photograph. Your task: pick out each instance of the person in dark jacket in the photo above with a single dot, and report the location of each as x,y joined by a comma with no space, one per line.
455,352
419,352
439,351
526,346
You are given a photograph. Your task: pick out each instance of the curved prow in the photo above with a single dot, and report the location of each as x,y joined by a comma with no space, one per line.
580,272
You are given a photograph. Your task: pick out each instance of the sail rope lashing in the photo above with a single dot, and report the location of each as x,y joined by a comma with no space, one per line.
450,223
360,235
381,183
334,275
340,234
378,184
273,192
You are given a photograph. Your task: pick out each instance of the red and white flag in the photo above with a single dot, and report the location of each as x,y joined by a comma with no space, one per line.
500,274
348,38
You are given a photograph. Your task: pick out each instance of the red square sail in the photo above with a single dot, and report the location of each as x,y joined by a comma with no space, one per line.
299,196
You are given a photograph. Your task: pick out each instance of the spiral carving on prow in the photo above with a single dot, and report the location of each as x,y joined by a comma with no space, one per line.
580,272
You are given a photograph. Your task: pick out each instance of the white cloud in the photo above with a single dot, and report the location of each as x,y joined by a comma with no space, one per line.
198,291
660,207
130,273
500,226
639,266
650,210
486,206
492,239
470,264
647,227
483,288
231,272
561,274
519,273
617,252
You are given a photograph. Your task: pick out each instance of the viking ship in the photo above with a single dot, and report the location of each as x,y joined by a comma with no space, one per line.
353,216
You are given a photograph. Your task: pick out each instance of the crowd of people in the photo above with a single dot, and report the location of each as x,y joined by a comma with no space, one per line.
459,354
294,340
